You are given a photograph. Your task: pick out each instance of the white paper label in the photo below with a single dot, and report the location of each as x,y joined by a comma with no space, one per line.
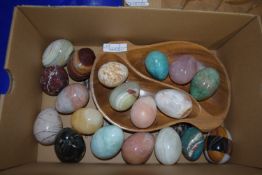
121,47
137,3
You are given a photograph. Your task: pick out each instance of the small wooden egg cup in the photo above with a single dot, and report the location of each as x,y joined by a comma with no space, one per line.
205,115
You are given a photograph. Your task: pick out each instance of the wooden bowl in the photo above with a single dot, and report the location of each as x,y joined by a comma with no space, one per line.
205,115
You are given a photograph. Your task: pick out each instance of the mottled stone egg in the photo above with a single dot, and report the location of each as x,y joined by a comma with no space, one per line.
137,148
183,69
47,125
53,79
204,84
218,146
107,142
168,147
57,53
80,64
124,96
143,112
173,103
156,63
69,146
86,120
71,98
112,74
192,143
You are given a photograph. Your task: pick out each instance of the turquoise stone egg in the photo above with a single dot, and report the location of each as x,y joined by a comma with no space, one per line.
156,64
107,142
192,143
124,96
204,83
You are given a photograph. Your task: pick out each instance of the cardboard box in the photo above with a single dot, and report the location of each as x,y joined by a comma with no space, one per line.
236,39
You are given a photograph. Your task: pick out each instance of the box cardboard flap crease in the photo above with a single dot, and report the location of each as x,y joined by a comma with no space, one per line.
235,38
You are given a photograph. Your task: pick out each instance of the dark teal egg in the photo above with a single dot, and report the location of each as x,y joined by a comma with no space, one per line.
204,83
156,63
192,143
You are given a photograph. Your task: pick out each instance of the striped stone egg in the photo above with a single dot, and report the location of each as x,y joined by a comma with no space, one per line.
218,146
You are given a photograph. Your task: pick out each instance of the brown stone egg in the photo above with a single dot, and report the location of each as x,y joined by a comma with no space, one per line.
80,64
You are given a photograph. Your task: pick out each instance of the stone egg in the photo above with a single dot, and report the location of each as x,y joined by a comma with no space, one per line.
124,96
86,120
218,146
80,64
112,74
143,112
69,146
192,143
180,128
53,79
71,98
173,103
156,63
183,69
168,147
47,125
138,148
204,84
107,142
57,53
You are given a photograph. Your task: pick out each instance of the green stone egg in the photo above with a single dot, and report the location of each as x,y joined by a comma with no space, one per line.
124,96
204,83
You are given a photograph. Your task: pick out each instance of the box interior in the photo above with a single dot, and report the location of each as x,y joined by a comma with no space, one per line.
236,39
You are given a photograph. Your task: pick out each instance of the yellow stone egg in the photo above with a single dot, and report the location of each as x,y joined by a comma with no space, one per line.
86,120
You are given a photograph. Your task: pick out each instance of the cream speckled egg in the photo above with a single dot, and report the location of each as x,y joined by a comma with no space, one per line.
112,74
168,147
86,120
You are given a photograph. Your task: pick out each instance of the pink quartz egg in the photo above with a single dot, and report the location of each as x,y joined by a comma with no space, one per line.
143,112
138,148
183,69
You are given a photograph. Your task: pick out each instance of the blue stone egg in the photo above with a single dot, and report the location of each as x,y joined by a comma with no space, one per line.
107,142
192,143
156,64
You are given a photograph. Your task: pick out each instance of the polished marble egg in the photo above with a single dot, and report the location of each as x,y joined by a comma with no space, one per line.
71,98
143,112
86,120
57,53
156,64
112,74
218,146
47,125
124,96
173,103
138,148
204,83
107,142
80,64
192,143
183,69
53,79
69,146
168,147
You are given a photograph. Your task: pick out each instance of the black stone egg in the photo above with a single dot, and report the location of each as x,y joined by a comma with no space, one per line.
69,146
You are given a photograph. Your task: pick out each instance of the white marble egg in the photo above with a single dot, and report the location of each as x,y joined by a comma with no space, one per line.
168,147
57,53
47,125
173,103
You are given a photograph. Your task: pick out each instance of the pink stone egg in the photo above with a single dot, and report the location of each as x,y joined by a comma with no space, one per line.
71,98
183,69
143,112
138,148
